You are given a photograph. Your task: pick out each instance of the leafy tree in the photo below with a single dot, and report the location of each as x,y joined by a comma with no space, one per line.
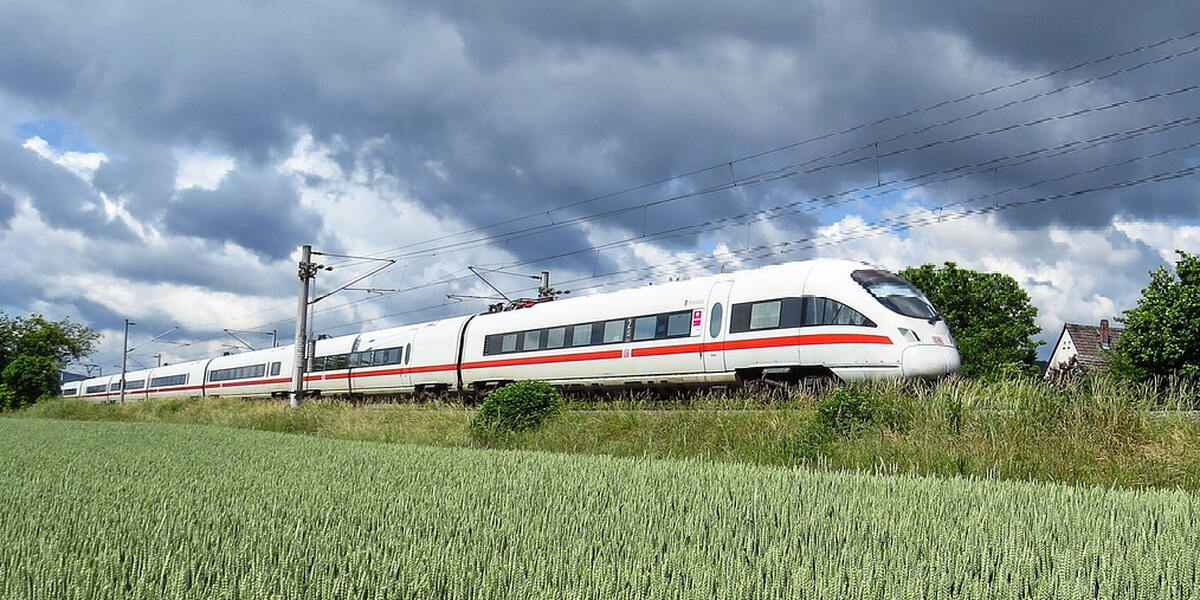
1162,333
991,317
35,336
32,350
28,379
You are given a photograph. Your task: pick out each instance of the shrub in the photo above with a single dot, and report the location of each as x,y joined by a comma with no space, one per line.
515,407
847,410
9,399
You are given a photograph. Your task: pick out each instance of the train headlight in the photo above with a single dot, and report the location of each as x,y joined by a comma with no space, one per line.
909,335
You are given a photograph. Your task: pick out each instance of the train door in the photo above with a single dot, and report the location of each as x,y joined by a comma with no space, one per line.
715,328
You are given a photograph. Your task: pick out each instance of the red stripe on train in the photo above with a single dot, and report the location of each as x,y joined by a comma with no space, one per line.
253,382
773,342
816,339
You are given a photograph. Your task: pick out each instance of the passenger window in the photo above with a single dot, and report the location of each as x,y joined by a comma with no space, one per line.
533,340
765,315
714,321
679,324
556,337
275,368
614,331
581,335
508,343
643,328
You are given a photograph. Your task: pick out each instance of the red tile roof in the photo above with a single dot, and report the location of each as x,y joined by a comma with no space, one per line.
1087,342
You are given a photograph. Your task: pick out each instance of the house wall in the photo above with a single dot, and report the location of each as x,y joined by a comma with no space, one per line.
1064,351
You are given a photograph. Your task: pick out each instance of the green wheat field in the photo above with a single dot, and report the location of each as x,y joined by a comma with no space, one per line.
151,510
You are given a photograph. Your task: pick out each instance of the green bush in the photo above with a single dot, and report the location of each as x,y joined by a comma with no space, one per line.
9,399
847,410
518,406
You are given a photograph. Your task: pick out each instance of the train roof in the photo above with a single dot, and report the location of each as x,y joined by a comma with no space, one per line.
788,269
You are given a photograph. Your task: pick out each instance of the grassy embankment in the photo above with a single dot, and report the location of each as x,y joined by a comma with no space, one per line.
1093,432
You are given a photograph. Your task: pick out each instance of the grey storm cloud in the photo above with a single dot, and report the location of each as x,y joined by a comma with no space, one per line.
63,199
7,209
533,105
143,178
257,211
525,107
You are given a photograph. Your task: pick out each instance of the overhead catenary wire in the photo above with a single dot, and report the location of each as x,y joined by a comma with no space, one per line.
857,127
746,217
897,116
825,200
878,227
1027,156
567,223
854,128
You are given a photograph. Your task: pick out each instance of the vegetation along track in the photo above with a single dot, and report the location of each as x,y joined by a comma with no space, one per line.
149,510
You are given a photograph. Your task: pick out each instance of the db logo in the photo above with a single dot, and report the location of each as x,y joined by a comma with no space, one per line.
626,353
937,339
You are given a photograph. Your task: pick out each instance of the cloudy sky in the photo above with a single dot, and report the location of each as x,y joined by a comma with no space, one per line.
163,162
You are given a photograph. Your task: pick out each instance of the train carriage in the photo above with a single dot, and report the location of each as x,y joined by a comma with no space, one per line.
377,363
830,318
329,372
177,380
434,357
255,373
628,338
96,389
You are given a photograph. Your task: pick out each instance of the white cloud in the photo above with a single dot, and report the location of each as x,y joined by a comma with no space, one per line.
1167,238
201,170
309,158
82,164
188,306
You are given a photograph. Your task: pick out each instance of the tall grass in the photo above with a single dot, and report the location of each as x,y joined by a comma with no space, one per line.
1092,431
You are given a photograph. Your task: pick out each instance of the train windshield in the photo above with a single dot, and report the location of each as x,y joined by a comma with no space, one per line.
897,294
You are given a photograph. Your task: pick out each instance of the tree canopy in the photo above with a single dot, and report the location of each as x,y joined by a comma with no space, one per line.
1162,333
990,316
32,350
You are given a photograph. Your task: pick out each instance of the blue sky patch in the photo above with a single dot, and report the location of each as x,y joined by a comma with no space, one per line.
59,135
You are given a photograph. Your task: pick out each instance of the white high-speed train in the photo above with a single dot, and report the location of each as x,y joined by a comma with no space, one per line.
785,322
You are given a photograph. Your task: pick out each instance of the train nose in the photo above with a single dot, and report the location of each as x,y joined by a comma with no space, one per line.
929,361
